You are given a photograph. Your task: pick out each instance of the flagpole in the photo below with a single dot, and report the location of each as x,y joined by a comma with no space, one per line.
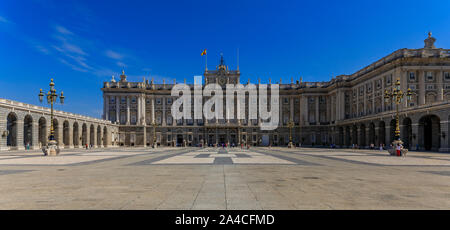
206,61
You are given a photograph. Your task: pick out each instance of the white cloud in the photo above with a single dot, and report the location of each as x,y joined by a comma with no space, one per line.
113,55
42,49
4,20
121,64
63,30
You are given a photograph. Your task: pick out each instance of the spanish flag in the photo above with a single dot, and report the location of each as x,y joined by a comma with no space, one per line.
204,52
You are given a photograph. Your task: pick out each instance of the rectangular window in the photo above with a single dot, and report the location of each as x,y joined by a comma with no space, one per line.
412,76
429,76
158,101
447,76
169,101
388,80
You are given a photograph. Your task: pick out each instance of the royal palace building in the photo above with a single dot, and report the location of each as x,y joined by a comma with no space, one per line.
348,110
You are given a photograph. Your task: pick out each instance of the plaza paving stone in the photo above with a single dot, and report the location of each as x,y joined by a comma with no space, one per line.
215,178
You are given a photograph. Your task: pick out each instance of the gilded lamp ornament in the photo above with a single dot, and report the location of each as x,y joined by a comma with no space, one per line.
52,97
396,96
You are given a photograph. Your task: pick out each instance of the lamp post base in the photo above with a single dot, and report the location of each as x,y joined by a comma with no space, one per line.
290,145
393,151
51,149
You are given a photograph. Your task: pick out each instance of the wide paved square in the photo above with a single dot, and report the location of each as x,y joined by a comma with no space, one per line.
224,178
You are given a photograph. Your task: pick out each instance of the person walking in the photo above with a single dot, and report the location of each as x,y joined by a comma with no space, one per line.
398,150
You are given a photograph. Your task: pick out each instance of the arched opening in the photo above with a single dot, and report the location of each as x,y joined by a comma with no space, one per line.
429,132
347,136
105,137
84,135
28,131
381,133
354,135
372,135
66,134
407,132
11,126
76,135
42,132
99,136
55,131
362,135
341,136
392,130
91,135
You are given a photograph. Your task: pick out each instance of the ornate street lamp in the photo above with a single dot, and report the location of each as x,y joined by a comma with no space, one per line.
290,125
396,95
52,148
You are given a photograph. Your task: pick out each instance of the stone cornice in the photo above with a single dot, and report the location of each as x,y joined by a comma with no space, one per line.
43,110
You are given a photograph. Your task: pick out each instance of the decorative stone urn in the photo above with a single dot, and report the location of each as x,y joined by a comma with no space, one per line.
291,145
393,152
51,149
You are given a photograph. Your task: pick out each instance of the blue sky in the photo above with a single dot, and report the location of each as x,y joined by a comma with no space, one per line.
82,43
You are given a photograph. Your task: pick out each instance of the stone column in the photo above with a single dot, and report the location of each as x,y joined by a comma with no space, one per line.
358,135
367,137
95,144
415,136
88,135
339,105
291,101
328,106
333,107
3,124
387,135
164,113
364,99
153,110
139,110
128,110
59,133
373,97
105,107
317,110
376,137
144,137
421,77
117,109
143,111
70,136
35,134
444,141
357,102
382,94
19,137
439,86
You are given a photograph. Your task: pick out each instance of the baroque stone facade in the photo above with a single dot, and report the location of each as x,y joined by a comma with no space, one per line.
345,111
23,125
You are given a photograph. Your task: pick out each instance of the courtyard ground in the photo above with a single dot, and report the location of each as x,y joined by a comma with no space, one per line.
230,178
